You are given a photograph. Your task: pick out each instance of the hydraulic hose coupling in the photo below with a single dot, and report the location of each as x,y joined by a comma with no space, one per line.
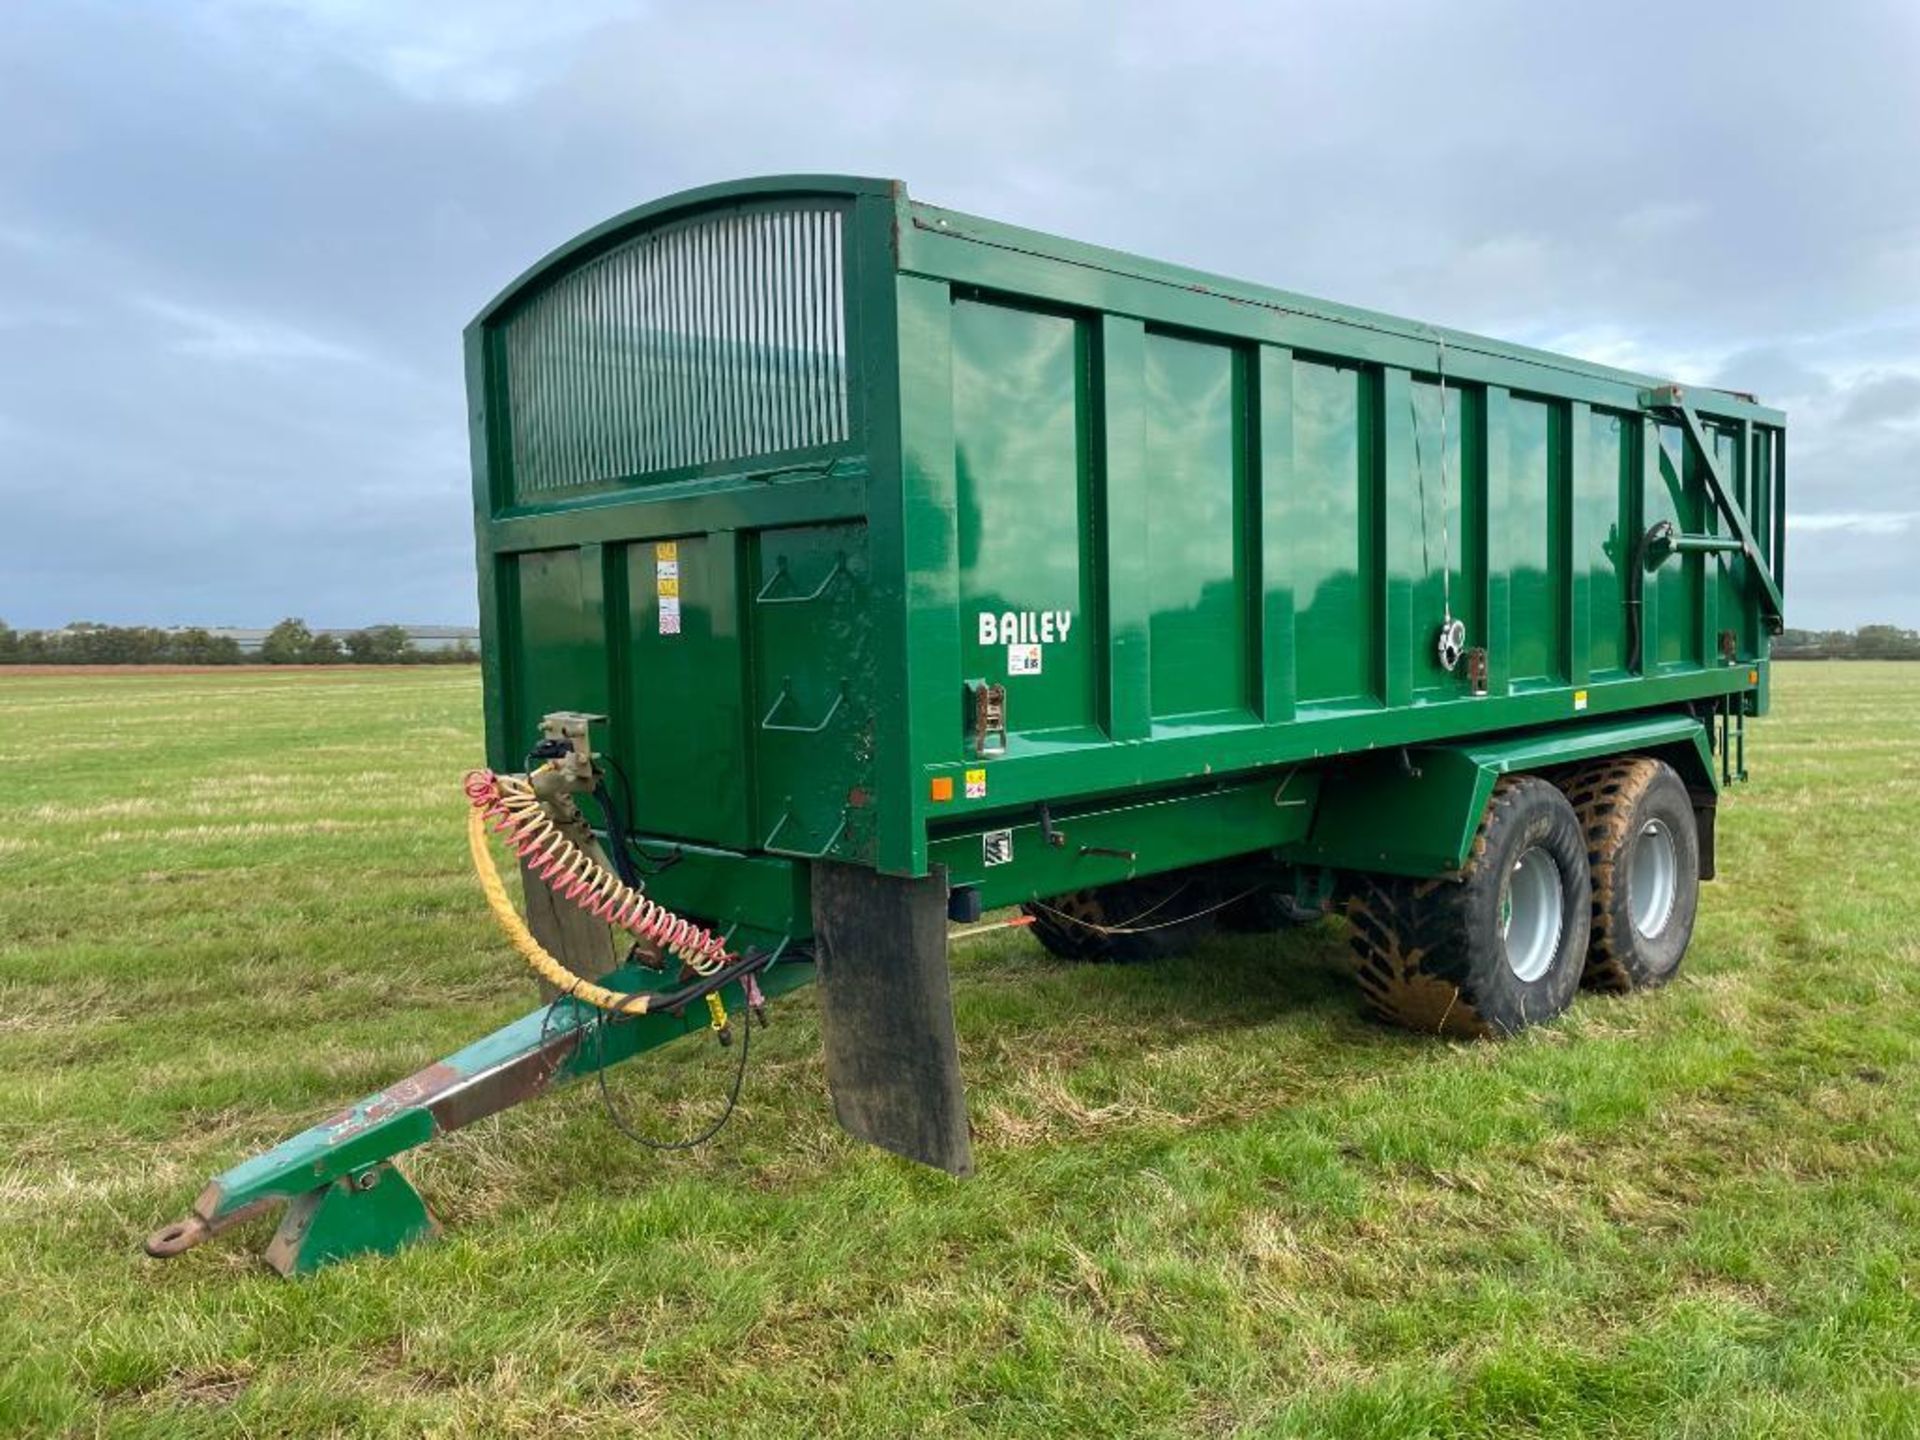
508,805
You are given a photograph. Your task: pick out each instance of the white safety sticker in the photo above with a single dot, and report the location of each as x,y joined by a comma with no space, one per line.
996,847
1026,635
666,584
976,784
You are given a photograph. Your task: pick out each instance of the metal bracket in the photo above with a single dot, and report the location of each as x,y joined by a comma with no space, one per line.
781,824
987,716
574,730
1662,542
1477,670
786,694
371,1211
1053,835
767,597
1674,398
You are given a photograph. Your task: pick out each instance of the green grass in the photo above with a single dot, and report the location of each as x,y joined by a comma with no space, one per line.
1210,1198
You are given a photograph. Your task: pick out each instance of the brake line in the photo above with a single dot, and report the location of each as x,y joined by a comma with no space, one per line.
509,805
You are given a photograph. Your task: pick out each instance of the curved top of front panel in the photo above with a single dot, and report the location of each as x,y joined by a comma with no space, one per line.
758,191
705,332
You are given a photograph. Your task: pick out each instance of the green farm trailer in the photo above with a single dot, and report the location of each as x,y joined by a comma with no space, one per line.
851,567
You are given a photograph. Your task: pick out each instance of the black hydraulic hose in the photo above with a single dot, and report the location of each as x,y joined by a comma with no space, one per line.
670,1000
1636,600
615,822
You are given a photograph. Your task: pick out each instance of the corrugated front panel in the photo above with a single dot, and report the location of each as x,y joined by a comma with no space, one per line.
718,339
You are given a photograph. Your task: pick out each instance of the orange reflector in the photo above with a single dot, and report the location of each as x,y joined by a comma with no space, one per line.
942,788
1753,677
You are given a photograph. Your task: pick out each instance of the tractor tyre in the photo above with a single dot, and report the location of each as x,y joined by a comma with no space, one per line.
1494,950
1643,851
1127,923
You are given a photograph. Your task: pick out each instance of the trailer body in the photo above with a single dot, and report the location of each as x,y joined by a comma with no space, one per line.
793,479
915,564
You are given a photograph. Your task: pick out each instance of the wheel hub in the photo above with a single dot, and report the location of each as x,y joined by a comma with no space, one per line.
1531,914
1652,879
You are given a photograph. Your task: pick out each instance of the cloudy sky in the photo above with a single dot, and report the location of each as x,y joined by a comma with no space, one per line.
239,238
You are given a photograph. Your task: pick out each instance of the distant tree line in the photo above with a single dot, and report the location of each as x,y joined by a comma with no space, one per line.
1869,642
290,642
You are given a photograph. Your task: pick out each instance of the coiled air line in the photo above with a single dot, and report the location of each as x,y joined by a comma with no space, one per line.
509,804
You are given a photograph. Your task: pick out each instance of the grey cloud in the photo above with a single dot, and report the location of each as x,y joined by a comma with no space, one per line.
239,238
1879,399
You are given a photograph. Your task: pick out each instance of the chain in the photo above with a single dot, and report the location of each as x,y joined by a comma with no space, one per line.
1446,494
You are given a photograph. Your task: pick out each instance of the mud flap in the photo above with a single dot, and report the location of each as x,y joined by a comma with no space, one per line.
886,1006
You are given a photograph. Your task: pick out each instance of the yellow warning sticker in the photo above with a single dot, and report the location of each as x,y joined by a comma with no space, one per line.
666,584
976,784
1579,699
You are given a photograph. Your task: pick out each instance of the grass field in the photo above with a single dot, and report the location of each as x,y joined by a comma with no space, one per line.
1211,1199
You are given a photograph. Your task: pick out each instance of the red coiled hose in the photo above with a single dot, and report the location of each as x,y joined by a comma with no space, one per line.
516,814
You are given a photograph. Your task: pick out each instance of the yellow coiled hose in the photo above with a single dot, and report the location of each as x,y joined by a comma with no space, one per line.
509,804
539,959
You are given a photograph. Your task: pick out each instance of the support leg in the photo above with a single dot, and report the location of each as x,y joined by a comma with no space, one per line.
372,1211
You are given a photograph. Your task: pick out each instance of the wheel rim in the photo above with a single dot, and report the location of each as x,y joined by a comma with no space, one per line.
1652,879
1531,917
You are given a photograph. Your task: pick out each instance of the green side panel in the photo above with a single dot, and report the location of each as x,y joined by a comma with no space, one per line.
1675,586
1730,584
1419,818
683,728
764,895
1527,517
1603,520
813,692
1326,522
1021,445
1279,641
1761,498
561,659
1196,527
1123,543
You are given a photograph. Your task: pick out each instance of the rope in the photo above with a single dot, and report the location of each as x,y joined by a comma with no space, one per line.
1446,487
1446,494
1131,928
